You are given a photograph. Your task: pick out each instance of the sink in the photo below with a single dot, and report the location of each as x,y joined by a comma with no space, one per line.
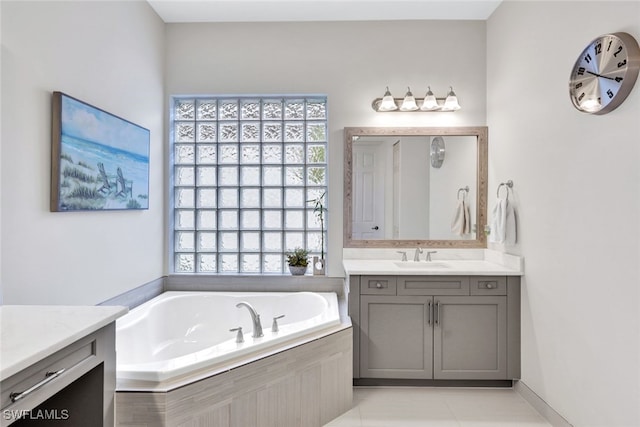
421,265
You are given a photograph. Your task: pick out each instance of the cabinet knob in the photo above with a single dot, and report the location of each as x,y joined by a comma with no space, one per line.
490,286
378,285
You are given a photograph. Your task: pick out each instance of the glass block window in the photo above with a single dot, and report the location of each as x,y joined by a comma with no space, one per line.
245,171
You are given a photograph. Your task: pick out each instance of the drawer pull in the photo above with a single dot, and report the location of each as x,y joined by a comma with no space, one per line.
49,376
378,285
490,286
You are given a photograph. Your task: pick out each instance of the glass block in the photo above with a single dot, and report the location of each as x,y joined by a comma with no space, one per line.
228,241
228,263
206,176
250,109
207,220
314,193
207,132
316,110
228,132
206,198
271,153
293,175
316,132
228,197
314,241
293,240
250,263
184,154
184,176
272,241
250,198
294,154
272,263
207,263
207,109
272,219
249,219
293,219
185,198
184,132
185,241
294,198
228,153
185,109
271,132
272,176
228,220
228,109
185,220
272,109
249,175
294,109
207,241
250,132
313,222
250,241
293,132
250,154
316,175
316,153
185,263
207,154
228,175
272,197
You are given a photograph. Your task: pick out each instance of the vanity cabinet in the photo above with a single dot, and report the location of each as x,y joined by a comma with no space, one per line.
436,327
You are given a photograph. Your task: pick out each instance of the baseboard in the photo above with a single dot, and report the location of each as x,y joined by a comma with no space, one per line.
555,419
400,382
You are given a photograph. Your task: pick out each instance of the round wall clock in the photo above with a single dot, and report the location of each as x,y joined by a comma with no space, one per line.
604,73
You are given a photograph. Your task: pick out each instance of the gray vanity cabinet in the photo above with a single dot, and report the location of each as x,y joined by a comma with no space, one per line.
436,327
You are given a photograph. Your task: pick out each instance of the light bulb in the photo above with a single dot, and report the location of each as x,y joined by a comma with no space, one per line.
387,103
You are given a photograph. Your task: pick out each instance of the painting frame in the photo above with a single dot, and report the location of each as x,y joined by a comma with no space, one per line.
99,161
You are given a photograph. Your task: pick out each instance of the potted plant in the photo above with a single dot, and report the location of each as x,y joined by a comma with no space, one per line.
318,210
298,261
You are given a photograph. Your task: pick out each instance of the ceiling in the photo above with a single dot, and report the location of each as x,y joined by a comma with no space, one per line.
320,10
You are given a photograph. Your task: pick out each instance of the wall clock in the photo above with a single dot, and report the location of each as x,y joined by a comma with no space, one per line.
604,73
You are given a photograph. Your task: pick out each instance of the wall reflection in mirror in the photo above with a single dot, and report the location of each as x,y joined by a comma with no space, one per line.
415,186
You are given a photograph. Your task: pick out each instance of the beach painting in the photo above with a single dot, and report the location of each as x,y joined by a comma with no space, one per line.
99,161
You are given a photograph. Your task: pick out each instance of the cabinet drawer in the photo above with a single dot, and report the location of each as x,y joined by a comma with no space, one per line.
378,285
433,285
489,285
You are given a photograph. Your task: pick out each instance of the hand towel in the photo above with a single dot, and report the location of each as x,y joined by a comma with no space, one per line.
461,223
503,223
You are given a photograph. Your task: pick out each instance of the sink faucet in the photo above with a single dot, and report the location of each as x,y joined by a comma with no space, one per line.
257,326
416,255
404,255
429,255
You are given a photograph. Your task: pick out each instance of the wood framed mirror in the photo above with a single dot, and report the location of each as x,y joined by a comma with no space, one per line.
395,196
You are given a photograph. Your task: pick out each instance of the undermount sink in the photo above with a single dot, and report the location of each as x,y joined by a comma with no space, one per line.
421,265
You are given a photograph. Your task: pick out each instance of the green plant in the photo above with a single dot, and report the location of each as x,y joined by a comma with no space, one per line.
298,258
318,210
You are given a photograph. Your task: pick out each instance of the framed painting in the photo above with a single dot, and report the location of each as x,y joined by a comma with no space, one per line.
98,161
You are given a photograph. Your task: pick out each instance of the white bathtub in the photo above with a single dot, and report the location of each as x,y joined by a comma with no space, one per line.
178,333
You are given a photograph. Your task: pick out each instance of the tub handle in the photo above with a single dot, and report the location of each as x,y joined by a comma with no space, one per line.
274,325
239,336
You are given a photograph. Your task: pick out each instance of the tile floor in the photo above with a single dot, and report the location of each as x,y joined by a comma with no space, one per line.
438,407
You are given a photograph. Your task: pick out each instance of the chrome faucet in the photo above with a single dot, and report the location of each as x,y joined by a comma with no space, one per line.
257,326
404,255
416,255
429,255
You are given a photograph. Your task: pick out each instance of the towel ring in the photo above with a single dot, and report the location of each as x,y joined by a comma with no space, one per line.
508,184
465,189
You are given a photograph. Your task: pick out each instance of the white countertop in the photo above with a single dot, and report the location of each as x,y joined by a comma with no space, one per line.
29,333
483,263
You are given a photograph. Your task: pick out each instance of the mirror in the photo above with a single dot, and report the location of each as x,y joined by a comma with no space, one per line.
408,187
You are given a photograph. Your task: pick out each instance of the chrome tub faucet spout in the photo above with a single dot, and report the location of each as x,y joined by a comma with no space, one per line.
257,326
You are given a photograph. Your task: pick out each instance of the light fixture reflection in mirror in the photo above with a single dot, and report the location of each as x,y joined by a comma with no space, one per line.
403,206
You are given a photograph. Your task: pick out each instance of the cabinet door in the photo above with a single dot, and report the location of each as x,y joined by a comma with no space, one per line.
470,337
396,339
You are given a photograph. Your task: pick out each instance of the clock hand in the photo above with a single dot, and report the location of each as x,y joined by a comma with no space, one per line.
600,75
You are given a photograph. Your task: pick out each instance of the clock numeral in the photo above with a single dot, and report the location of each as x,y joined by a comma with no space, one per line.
578,86
618,79
610,94
622,64
581,96
581,71
588,58
598,48
618,51
609,45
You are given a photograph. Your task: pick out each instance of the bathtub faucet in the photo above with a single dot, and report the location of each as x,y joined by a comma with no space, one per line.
257,326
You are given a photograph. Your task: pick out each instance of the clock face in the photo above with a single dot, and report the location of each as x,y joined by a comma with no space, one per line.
604,73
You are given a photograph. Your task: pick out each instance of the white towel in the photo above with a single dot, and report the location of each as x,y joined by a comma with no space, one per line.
503,223
461,223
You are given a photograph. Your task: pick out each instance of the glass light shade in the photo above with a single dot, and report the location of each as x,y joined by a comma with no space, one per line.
430,101
387,103
409,102
451,102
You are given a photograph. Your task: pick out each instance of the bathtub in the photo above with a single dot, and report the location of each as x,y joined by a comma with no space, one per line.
180,333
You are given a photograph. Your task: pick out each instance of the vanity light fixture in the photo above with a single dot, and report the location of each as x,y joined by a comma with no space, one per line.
411,104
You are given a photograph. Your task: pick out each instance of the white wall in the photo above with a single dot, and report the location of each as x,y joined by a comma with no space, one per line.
108,54
577,184
351,62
